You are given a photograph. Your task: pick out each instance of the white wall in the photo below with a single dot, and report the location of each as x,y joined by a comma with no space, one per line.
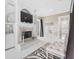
9,41
52,27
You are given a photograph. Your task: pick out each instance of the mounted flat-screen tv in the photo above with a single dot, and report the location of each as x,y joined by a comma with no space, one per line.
27,18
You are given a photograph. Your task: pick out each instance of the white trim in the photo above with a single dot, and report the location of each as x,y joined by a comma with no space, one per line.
53,13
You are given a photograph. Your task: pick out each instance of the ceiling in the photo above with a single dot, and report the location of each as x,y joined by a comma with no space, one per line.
45,7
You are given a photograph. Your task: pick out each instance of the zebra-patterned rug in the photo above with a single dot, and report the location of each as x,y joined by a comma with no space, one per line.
41,54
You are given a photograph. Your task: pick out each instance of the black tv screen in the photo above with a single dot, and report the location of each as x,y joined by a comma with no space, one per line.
25,17
27,34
